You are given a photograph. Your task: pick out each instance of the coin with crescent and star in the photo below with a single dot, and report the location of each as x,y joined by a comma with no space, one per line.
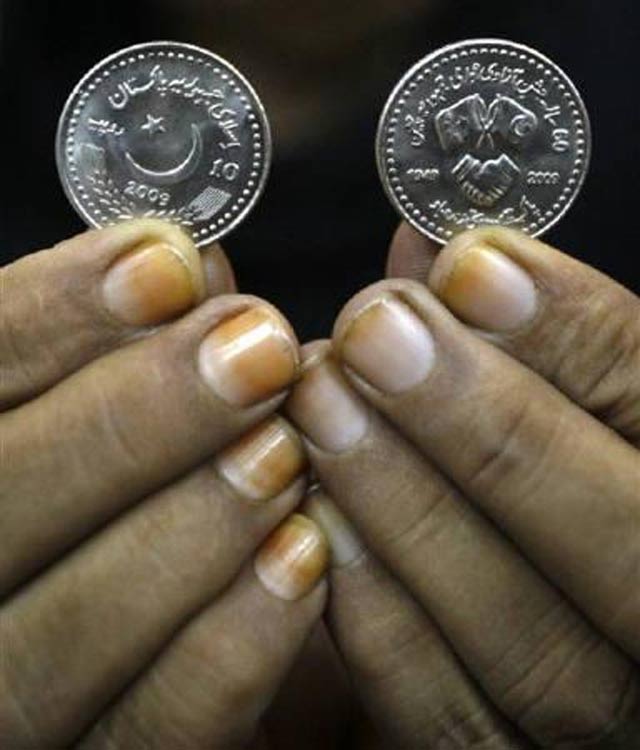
483,132
164,130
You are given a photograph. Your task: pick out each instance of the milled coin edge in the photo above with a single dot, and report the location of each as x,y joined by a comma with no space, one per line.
60,136
447,49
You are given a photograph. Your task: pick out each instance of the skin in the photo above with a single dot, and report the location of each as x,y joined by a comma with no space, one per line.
149,551
484,524
80,512
485,517
480,586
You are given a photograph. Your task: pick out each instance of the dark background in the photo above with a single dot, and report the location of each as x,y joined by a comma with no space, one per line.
322,229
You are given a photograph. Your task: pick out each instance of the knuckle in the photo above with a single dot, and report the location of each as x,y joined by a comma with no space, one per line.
573,715
403,639
517,447
124,728
124,444
16,369
472,729
241,668
571,687
422,530
187,532
45,320
21,725
117,391
499,453
608,354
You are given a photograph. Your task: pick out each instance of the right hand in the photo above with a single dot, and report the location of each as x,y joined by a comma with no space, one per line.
142,467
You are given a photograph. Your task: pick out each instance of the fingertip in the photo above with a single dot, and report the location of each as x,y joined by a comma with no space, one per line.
293,560
249,356
371,295
346,546
411,254
313,352
264,462
323,405
522,248
486,278
219,276
142,232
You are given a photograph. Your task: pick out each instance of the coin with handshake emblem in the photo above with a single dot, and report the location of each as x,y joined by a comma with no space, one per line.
483,132
164,130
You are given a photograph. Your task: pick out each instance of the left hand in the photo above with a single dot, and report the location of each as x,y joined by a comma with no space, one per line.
485,590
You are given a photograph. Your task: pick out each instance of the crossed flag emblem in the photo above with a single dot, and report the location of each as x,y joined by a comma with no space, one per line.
471,126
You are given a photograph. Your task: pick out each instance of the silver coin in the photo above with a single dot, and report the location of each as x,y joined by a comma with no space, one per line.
483,132
164,130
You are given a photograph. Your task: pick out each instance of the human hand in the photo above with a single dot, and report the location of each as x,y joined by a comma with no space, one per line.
142,468
486,551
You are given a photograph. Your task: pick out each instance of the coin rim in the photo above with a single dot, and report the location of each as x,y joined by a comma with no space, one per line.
261,113
382,123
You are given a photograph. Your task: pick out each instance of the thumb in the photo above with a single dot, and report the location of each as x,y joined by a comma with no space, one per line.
411,255
218,271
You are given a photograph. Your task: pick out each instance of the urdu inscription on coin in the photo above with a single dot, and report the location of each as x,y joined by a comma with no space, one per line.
483,132
164,130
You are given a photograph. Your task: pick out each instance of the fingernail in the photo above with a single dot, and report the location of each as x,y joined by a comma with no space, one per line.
264,462
293,559
151,284
389,346
343,540
326,409
486,289
249,358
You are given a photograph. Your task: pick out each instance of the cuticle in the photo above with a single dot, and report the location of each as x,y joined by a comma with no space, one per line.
232,314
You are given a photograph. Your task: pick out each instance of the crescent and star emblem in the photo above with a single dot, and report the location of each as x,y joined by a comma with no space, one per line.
176,174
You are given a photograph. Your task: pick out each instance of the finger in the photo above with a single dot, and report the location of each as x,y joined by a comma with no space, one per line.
91,623
218,272
212,685
406,675
411,255
563,486
63,307
576,327
533,654
134,420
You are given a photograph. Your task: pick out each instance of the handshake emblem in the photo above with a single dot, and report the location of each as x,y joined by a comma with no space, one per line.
471,126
